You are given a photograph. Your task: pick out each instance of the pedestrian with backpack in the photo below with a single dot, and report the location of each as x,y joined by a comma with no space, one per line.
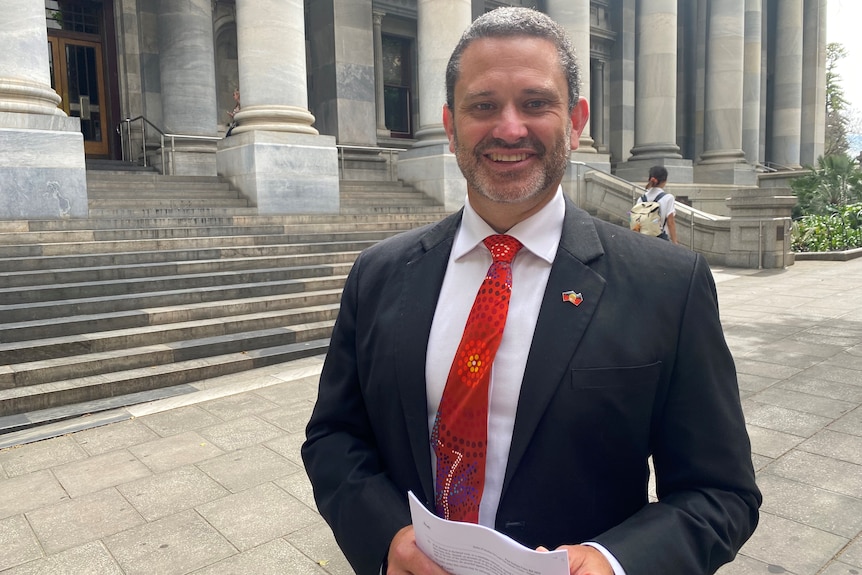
653,214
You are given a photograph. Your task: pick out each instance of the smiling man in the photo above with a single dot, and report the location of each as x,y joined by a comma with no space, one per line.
488,364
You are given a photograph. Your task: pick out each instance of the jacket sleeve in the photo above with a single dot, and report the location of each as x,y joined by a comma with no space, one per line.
708,500
353,492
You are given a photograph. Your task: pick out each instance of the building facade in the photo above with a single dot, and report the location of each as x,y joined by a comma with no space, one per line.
716,90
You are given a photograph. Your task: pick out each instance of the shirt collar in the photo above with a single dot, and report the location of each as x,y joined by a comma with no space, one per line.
540,233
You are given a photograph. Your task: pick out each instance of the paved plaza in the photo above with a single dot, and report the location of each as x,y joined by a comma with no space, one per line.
211,481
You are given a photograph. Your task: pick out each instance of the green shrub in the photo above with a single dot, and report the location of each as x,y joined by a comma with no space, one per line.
839,230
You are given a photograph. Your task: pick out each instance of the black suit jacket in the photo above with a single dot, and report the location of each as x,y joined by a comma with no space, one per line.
639,368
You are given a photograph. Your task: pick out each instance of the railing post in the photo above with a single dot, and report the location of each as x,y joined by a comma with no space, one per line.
760,245
144,140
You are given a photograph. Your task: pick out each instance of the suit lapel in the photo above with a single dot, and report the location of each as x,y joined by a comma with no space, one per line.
559,328
423,278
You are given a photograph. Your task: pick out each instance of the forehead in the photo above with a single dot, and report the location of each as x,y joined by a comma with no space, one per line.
511,58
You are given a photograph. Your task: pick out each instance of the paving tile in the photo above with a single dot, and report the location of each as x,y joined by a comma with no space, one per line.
182,488
299,486
316,541
90,558
810,505
100,472
277,557
781,357
175,451
179,420
754,383
852,554
238,405
837,445
824,388
289,445
286,393
86,518
851,423
839,568
23,459
27,492
792,546
239,433
835,373
120,435
743,565
17,543
771,443
244,468
804,402
819,471
292,418
782,419
174,545
257,515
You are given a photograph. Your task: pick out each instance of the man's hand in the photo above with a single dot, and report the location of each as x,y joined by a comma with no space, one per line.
406,558
585,560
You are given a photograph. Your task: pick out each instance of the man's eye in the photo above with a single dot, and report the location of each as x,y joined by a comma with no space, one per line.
483,107
535,104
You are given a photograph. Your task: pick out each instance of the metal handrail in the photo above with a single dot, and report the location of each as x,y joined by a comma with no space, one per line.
144,123
390,151
162,135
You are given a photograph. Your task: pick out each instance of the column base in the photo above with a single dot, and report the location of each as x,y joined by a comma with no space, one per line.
42,167
433,170
731,173
187,158
636,170
282,172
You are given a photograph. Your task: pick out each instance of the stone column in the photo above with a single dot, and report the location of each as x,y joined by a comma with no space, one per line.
275,156
380,107
751,81
429,166
655,95
574,16
723,161
813,83
41,149
187,71
597,104
787,104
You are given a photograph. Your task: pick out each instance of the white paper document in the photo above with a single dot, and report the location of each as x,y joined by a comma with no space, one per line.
470,549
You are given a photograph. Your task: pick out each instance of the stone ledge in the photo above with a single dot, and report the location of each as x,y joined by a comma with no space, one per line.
844,256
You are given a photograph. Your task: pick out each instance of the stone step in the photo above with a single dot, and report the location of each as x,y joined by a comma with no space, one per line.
97,289
24,279
19,336
173,250
291,222
56,242
33,311
76,390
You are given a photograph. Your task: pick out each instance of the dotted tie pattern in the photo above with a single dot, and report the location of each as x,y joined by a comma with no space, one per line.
460,431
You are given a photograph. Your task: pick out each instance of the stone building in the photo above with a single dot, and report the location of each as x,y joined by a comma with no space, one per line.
716,90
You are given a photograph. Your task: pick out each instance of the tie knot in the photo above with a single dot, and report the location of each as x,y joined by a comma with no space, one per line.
502,247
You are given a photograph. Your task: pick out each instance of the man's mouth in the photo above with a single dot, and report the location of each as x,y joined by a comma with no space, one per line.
508,157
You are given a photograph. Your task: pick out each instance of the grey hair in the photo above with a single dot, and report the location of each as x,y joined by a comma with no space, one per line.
510,22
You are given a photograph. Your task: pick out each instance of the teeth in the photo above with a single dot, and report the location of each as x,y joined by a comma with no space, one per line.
508,157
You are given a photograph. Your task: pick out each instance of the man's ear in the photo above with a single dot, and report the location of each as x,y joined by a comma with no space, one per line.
449,126
580,117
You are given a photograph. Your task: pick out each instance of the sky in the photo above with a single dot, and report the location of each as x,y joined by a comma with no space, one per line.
843,18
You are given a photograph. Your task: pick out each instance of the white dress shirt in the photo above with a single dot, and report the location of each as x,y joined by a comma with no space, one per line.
468,264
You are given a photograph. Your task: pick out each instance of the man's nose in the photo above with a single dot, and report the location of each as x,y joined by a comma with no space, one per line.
511,126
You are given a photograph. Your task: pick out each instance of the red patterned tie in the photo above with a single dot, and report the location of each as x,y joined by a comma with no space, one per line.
460,432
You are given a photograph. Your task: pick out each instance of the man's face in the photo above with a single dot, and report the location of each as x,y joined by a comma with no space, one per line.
510,128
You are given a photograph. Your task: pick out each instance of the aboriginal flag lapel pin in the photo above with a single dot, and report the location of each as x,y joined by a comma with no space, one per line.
572,297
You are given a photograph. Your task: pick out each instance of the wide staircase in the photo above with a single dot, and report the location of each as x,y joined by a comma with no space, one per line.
173,280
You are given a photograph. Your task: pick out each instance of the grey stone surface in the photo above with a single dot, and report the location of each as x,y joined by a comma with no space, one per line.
218,486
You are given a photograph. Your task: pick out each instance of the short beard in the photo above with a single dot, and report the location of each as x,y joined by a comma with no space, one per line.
554,164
